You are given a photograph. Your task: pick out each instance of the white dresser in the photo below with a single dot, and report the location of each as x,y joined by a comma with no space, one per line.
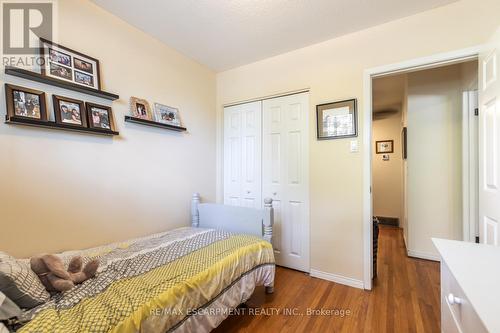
470,287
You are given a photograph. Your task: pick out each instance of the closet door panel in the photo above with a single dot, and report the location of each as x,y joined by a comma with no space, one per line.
252,159
242,155
294,159
295,217
232,156
285,174
273,148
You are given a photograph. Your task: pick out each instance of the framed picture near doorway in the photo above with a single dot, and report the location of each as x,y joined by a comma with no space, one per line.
337,120
385,147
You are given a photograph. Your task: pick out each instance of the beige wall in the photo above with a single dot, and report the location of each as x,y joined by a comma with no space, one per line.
387,177
469,75
435,154
333,70
61,190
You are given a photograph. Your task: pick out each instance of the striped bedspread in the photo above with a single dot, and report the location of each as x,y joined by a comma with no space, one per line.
154,283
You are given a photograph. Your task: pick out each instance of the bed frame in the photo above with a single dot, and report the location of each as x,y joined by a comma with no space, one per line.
258,222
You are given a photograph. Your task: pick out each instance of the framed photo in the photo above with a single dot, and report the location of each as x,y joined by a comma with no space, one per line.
100,116
69,65
84,79
167,115
384,147
83,65
139,108
69,111
61,72
25,103
337,120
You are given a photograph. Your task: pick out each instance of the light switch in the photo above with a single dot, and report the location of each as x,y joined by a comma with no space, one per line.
354,146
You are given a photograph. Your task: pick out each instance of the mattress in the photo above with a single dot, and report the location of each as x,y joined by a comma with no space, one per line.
180,280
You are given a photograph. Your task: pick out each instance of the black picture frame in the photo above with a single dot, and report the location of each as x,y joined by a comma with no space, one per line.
57,104
90,108
320,125
85,77
12,103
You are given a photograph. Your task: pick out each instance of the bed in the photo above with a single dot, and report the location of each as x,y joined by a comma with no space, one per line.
183,280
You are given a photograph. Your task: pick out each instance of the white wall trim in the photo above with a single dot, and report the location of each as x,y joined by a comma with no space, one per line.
347,281
275,95
432,61
424,255
470,165
465,168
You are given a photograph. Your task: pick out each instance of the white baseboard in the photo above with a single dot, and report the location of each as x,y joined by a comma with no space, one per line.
347,281
424,255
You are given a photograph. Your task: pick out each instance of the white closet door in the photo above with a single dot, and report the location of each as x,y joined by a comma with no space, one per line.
242,155
285,171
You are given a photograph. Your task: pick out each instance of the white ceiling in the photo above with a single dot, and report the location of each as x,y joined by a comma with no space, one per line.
224,34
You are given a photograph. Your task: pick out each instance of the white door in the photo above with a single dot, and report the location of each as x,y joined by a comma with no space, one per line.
489,142
285,172
242,155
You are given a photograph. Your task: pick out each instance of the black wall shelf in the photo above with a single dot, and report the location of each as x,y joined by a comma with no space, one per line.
54,125
130,119
33,76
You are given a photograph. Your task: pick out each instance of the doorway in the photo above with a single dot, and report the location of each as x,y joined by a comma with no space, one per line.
410,67
423,161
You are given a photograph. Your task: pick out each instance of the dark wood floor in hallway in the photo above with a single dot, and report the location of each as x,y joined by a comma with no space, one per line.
405,298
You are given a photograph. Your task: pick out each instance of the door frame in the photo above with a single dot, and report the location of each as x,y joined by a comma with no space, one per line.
470,161
433,61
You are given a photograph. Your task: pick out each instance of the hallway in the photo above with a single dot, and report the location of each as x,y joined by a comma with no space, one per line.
405,298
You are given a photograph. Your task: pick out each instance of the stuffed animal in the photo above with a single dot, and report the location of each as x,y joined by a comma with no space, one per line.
50,270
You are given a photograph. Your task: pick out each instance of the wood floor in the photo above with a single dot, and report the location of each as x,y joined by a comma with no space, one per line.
405,298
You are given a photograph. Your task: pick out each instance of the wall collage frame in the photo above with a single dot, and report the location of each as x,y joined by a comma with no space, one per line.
26,103
72,70
140,111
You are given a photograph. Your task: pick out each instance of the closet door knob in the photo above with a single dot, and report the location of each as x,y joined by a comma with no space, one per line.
275,193
248,192
454,300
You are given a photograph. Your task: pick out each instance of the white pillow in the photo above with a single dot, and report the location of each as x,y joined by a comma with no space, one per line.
20,284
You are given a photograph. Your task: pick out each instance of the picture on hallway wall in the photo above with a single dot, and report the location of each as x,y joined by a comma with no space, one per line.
384,147
337,120
405,142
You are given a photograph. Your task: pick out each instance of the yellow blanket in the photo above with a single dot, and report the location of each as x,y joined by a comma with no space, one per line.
167,281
